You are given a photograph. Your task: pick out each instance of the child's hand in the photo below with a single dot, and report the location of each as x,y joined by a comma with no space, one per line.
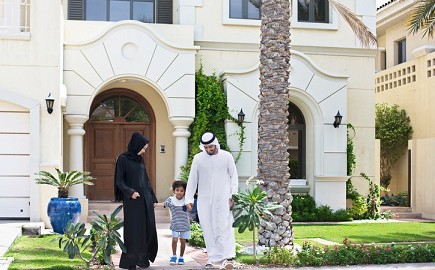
231,202
155,205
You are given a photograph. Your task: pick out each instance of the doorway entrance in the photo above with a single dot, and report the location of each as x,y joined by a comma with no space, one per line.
115,115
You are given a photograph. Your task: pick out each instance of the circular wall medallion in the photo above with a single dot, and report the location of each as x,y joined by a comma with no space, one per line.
129,50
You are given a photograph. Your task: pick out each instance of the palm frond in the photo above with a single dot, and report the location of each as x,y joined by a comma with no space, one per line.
423,18
362,32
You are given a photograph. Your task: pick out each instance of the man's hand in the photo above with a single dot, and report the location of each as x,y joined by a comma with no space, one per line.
231,203
189,207
135,195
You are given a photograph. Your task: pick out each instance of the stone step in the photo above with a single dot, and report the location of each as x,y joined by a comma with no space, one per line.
396,209
161,213
401,212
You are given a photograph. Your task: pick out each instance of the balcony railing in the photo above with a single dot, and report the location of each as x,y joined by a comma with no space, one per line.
408,73
396,76
14,16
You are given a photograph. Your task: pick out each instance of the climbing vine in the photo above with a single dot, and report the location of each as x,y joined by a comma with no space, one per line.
211,113
351,159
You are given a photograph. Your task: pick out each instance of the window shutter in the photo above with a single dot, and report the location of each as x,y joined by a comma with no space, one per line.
76,10
164,11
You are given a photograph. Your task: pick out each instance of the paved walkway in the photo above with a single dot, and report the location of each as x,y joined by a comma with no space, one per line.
195,258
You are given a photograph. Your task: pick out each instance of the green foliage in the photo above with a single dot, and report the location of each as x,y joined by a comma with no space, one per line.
105,238
249,208
351,158
211,113
304,209
393,129
359,207
196,235
37,252
64,180
280,256
400,199
388,215
359,202
353,254
373,199
422,18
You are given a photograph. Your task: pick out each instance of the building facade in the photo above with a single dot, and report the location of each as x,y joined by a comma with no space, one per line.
405,76
114,67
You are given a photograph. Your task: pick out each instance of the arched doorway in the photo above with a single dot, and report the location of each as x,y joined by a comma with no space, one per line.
297,149
114,116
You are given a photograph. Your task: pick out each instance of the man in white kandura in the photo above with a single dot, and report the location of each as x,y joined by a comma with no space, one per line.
214,173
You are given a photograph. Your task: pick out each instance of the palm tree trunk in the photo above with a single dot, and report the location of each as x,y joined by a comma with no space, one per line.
272,126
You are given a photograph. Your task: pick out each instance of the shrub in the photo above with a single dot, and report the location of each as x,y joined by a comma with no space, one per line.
304,210
400,199
196,235
353,254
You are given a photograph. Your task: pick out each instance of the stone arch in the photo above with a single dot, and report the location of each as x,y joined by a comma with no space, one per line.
130,49
317,93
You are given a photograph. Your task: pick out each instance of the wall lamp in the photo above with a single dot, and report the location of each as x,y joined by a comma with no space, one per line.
337,120
241,117
50,102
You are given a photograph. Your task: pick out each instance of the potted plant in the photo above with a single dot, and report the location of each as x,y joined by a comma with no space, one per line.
63,209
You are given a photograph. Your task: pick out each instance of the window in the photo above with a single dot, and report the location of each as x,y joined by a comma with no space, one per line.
296,150
401,51
383,60
147,11
120,108
14,16
316,11
245,9
118,10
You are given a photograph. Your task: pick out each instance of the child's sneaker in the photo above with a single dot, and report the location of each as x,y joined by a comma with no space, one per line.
181,260
173,260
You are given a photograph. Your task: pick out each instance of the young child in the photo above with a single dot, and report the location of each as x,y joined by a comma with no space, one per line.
180,225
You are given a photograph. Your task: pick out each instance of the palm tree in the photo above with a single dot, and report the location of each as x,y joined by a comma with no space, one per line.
423,18
273,168
274,70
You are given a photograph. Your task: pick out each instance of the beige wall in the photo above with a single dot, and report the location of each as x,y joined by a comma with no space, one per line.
409,85
31,68
423,171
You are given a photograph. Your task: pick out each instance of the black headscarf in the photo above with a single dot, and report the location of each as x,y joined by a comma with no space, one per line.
137,142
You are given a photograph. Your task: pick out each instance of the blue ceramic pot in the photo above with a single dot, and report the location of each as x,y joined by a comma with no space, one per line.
63,210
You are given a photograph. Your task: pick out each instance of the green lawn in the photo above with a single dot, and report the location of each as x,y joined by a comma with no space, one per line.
377,232
40,253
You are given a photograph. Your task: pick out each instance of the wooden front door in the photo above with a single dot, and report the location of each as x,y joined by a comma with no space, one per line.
108,132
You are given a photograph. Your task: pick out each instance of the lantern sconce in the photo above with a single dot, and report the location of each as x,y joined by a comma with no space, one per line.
49,102
241,117
337,120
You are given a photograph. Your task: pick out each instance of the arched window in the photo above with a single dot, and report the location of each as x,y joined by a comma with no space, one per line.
296,128
120,108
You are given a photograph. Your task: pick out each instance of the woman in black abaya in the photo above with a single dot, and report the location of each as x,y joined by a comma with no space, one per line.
133,188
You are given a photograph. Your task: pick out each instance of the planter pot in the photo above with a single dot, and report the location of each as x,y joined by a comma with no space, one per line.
63,210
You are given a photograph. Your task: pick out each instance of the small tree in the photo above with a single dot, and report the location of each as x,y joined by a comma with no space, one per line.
393,129
75,240
249,208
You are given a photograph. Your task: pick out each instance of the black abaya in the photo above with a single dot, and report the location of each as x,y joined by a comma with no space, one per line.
140,234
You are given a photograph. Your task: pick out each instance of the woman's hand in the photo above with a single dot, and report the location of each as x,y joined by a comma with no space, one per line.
135,195
189,207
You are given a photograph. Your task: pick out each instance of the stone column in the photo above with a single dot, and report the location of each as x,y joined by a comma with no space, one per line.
76,133
181,135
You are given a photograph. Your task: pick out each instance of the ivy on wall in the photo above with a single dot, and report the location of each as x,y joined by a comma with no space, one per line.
211,113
